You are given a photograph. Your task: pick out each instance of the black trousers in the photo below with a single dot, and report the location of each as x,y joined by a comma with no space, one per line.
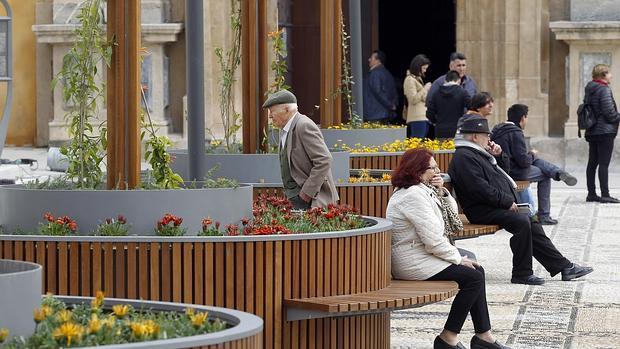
599,155
471,299
299,203
528,240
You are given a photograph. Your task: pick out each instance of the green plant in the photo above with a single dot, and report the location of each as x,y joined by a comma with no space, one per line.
209,228
220,182
59,326
229,61
170,225
57,226
81,91
156,154
113,227
50,183
346,81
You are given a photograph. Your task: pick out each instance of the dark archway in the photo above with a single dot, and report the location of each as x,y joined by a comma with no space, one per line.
408,28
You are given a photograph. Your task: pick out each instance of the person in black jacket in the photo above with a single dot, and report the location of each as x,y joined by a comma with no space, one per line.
380,97
526,165
488,195
447,106
601,136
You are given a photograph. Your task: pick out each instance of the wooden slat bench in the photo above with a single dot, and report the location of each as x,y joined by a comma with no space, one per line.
474,230
399,294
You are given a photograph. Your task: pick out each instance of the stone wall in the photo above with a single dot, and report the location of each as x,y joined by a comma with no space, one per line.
595,10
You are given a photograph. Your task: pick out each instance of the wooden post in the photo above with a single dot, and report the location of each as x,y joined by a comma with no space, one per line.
255,70
123,83
331,56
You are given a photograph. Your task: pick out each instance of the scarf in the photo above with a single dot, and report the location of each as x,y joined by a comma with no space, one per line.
451,220
469,144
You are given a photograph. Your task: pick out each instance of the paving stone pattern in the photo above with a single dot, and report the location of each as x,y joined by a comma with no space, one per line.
558,315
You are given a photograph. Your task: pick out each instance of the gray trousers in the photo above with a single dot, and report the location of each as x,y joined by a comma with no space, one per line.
542,172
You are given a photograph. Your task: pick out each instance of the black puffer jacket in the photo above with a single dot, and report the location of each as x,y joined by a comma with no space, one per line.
445,108
601,99
512,140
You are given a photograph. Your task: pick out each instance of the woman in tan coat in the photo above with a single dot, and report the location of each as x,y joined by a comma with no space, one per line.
415,92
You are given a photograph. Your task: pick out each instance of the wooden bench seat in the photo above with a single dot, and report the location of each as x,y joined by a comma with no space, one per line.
400,294
474,230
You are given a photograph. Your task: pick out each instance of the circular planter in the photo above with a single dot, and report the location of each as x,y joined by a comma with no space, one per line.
252,168
254,274
390,160
365,137
142,208
20,293
245,329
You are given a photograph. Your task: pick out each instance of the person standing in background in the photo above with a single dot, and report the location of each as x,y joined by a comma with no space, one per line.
601,136
415,93
380,97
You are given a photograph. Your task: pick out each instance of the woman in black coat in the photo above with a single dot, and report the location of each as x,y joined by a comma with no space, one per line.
601,136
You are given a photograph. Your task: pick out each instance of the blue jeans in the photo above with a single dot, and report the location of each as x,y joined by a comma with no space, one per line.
541,172
527,197
417,129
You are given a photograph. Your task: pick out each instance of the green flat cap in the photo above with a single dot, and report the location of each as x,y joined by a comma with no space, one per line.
280,97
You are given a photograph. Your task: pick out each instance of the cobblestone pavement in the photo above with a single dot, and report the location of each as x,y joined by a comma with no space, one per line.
578,314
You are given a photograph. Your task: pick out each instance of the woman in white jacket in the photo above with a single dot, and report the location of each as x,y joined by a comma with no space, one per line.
424,214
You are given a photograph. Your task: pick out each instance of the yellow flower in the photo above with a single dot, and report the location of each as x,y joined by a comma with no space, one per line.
69,331
198,319
94,325
109,321
144,329
120,310
189,311
4,334
41,314
98,301
64,315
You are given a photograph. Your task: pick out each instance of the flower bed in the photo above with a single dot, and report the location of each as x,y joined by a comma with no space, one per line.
88,209
390,160
362,136
86,322
252,273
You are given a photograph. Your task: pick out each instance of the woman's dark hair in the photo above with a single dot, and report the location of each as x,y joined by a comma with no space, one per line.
413,163
417,62
479,100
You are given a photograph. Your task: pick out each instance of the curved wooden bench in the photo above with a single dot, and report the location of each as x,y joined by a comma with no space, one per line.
474,230
400,294
522,185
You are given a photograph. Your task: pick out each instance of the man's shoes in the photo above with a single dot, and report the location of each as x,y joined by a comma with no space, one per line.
593,198
477,343
575,271
440,344
609,200
528,280
547,221
567,178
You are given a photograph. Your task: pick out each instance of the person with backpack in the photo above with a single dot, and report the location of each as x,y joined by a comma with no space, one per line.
601,135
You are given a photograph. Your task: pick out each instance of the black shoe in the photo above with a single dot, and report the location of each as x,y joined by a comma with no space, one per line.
593,198
609,200
528,280
575,271
440,344
567,178
547,221
477,343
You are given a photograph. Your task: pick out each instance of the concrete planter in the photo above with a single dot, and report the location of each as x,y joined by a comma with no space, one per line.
252,168
20,293
23,209
365,137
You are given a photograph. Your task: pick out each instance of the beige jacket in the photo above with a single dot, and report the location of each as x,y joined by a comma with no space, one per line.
416,97
419,247
310,161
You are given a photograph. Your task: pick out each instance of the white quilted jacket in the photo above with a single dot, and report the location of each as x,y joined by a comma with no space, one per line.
419,247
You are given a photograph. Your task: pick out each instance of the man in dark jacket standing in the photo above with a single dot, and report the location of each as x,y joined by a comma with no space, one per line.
447,106
380,98
488,196
601,136
458,63
526,165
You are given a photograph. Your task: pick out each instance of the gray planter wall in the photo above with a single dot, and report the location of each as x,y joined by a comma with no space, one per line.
252,168
24,208
365,137
20,294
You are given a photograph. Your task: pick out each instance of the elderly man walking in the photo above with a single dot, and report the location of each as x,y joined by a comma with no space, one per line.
488,196
305,161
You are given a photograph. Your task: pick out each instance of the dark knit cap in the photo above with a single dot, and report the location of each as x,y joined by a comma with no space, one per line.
516,111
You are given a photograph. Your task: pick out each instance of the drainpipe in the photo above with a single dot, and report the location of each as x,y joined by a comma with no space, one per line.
355,21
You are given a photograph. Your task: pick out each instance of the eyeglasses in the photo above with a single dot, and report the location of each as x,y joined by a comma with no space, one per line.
434,168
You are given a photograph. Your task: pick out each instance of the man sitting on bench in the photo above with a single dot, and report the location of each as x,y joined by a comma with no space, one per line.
526,165
488,196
